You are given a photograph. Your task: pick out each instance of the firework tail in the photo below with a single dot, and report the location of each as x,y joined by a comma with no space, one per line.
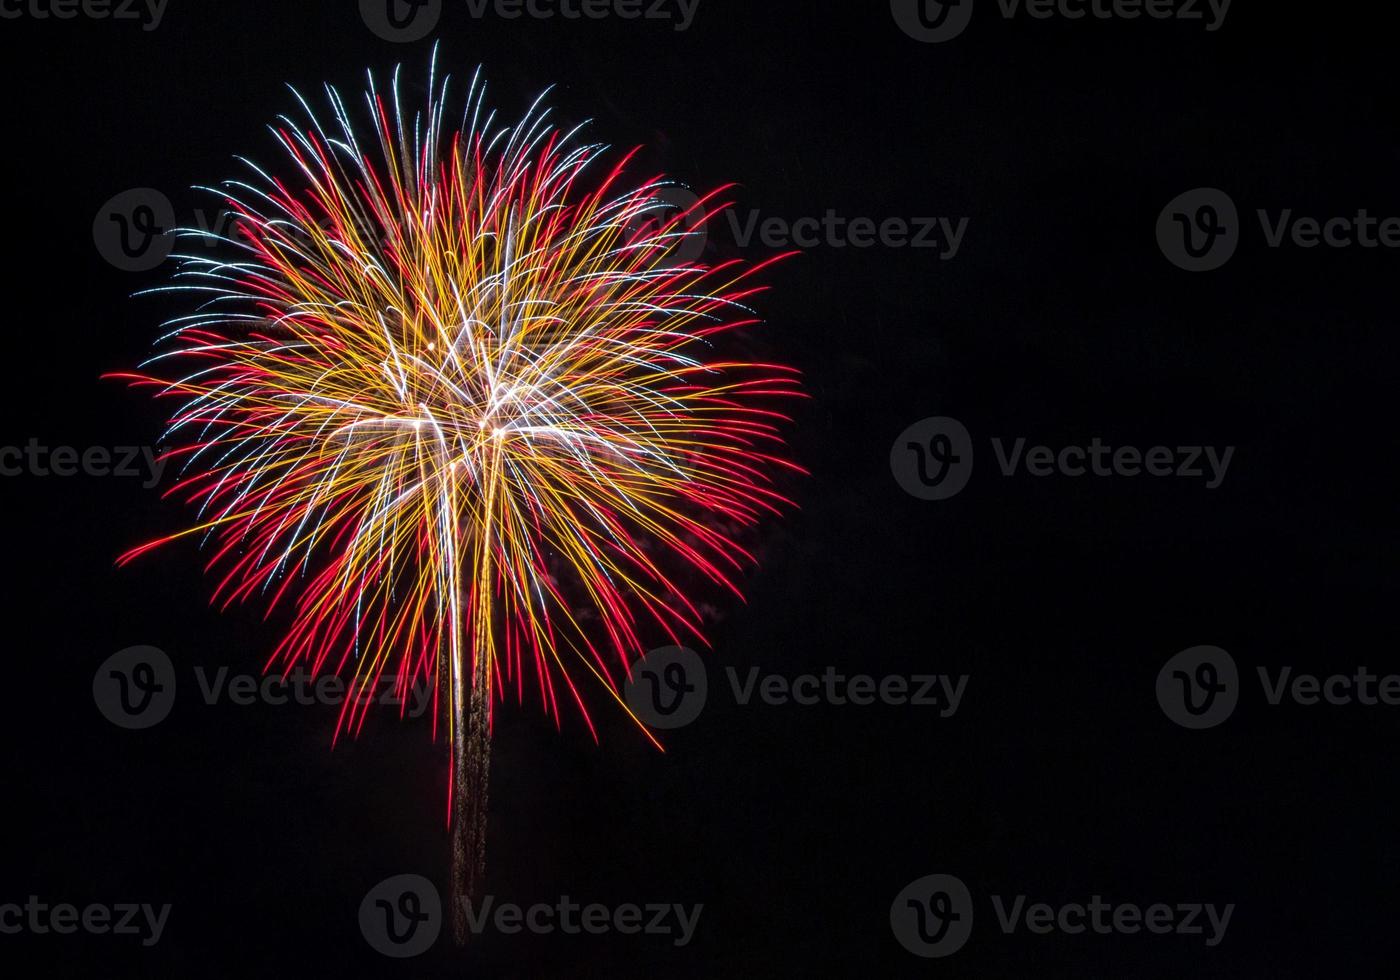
471,772
471,712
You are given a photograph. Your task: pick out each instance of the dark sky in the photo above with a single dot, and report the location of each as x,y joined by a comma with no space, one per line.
1059,320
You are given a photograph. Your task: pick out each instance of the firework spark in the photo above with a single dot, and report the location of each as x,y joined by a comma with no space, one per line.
451,397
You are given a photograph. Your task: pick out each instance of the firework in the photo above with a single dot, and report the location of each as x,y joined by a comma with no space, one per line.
450,396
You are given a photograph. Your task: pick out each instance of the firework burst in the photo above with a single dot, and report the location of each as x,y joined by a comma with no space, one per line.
452,397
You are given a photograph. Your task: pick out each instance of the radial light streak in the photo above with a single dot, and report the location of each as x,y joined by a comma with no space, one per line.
452,398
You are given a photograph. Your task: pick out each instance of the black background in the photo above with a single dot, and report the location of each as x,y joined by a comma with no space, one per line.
1059,320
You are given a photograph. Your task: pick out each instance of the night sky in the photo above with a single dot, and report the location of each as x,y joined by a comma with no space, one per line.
1044,307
